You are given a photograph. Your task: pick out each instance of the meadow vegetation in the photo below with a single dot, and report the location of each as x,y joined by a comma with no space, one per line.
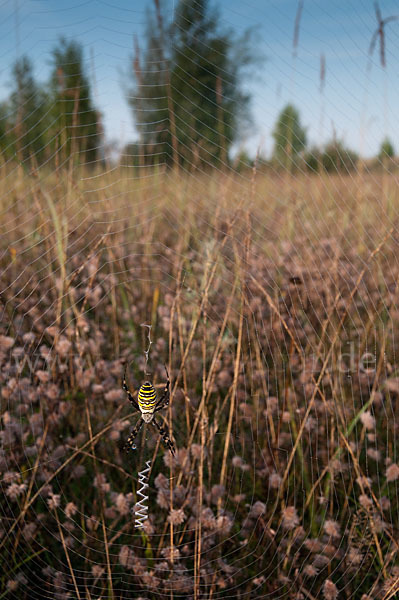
273,302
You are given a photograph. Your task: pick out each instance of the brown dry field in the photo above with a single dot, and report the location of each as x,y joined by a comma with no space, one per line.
273,302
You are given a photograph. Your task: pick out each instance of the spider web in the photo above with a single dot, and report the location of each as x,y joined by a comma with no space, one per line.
271,298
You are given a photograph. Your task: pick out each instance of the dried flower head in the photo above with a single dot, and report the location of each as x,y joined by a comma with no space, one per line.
392,472
161,482
114,395
63,346
12,585
11,476
126,557
163,498
313,545
274,480
380,525
224,524
290,518
354,556
6,342
363,481
43,376
148,527
183,458
271,404
15,490
320,561
374,453
196,451
237,461
171,553
368,420
100,481
208,518
29,531
365,501
176,516
97,571
168,459
53,501
114,435
92,523
217,492
258,509
122,505
224,378
161,567
70,509
78,471
20,577
331,528
310,571
239,498
330,591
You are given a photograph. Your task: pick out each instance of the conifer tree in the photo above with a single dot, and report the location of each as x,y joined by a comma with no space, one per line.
289,138
188,102
387,150
75,121
24,131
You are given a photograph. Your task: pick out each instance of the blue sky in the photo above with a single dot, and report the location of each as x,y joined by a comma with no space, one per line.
359,106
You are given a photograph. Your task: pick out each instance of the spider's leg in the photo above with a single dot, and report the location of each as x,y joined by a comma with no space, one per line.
161,406
164,399
167,375
164,432
129,395
133,434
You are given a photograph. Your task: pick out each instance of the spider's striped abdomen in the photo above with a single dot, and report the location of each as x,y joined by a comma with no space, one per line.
147,397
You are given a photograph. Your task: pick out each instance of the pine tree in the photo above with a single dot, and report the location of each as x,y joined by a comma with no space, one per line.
76,122
289,138
150,100
387,150
188,101
25,130
7,137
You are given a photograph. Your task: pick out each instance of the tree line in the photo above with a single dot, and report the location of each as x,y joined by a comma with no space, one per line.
50,123
188,96
291,151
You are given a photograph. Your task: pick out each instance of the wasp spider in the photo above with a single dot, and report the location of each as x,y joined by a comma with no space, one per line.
148,404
